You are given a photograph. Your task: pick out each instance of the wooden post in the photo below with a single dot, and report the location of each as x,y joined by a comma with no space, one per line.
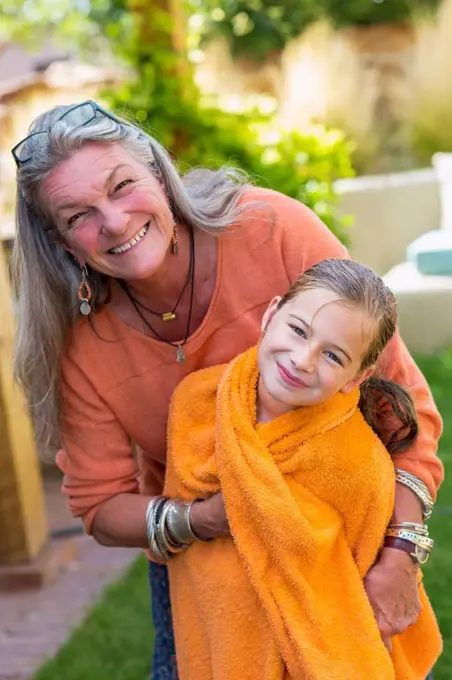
23,526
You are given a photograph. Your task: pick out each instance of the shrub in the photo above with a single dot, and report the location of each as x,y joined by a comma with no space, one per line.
302,165
164,99
256,27
367,13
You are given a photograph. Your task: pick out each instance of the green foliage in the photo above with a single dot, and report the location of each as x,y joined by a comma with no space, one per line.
165,101
301,165
64,22
427,140
369,12
256,27
429,123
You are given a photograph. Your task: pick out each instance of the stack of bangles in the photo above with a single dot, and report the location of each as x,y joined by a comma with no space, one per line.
168,527
169,530
412,537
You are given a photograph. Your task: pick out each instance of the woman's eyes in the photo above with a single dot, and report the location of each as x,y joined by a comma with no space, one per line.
75,219
122,184
72,221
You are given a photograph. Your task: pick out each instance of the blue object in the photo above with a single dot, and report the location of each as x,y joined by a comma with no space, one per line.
432,253
164,663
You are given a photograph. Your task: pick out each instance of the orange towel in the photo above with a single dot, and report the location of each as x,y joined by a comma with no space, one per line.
308,497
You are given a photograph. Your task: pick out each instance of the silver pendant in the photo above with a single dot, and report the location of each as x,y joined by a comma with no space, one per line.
85,307
180,355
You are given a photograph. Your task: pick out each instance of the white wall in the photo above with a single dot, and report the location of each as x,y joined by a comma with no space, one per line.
389,212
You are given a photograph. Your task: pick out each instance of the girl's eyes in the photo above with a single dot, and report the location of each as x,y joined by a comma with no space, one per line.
333,357
302,334
299,331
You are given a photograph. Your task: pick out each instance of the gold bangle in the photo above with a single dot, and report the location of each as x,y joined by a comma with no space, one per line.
418,539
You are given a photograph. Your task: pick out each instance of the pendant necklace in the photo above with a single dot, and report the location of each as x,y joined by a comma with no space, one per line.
166,316
180,354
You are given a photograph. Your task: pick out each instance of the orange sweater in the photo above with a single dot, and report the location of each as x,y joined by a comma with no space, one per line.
118,392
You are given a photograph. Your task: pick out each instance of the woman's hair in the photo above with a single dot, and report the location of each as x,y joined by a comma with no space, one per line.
358,285
46,277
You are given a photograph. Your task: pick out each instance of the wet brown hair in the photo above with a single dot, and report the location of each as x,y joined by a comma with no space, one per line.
358,285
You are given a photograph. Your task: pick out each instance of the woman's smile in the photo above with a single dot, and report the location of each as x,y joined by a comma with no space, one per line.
125,246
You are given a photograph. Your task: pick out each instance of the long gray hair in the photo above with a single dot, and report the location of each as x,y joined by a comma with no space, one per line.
46,277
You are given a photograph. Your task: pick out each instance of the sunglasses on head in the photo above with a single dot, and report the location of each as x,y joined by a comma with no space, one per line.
77,116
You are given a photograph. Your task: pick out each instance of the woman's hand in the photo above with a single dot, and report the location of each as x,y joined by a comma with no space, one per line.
392,588
208,518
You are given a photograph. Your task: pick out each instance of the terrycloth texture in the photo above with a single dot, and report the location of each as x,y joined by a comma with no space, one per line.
308,497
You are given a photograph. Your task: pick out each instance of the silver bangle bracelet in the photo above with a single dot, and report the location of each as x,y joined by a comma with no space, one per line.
153,509
163,537
178,522
418,487
160,536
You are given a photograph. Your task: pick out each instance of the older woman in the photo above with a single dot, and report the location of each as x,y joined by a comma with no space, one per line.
128,278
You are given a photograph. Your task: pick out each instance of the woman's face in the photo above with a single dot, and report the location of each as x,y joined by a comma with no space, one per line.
311,349
110,210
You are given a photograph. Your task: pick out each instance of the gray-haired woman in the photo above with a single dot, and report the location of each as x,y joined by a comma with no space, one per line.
128,277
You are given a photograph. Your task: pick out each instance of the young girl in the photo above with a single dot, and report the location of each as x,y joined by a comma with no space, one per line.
308,489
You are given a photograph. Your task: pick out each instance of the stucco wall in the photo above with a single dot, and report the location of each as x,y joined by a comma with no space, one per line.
389,212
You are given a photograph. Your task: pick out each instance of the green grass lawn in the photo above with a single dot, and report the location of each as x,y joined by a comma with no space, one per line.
438,571
115,640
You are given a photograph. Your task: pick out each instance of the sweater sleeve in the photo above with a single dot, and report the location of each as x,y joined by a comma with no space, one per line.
306,240
97,458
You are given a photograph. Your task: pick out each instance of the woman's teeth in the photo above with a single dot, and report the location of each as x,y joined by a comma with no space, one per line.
133,241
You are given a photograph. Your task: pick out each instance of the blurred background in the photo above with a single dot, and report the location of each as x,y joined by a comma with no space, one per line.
346,106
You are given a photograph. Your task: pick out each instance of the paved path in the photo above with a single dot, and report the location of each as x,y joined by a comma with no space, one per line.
34,623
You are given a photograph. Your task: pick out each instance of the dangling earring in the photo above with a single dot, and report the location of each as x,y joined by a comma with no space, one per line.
174,242
85,294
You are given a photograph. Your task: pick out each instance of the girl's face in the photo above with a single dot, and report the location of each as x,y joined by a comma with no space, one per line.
311,349
110,211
